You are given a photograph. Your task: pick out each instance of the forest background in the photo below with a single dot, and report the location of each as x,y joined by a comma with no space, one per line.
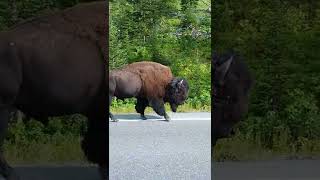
175,33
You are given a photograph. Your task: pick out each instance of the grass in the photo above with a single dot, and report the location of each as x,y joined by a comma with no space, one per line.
242,148
128,106
34,143
58,151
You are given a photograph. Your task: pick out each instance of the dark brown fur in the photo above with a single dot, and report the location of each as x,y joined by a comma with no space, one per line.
155,77
150,83
231,86
55,65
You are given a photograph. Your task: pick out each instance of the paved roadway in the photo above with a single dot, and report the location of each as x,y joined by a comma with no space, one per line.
60,172
259,170
268,170
154,149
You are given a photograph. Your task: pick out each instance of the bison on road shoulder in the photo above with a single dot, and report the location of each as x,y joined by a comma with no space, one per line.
151,83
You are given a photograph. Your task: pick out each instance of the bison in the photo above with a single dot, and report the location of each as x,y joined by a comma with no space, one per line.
151,83
232,82
56,65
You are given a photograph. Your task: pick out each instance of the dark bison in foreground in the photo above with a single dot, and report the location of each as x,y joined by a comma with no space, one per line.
55,65
151,83
231,85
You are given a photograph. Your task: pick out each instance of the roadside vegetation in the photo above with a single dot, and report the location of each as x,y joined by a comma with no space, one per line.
58,142
280,43
174,33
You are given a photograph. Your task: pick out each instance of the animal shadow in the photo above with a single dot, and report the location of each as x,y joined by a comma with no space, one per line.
135,117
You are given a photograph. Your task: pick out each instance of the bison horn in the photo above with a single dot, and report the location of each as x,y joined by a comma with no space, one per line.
223,69
180,83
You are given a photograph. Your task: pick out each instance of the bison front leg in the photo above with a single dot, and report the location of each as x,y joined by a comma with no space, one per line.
5,170
141,105
158,106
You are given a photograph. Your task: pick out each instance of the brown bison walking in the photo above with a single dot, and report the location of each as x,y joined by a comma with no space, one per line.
232,82
55,65
151,83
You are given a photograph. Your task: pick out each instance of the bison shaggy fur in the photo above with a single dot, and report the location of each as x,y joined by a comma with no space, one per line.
151,83
54,65
231,86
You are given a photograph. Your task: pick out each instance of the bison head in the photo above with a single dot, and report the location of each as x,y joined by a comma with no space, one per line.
177,92
231,85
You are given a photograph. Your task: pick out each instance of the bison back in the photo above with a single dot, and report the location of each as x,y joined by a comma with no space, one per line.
155,77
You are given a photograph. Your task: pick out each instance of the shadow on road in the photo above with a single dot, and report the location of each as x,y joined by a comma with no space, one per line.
135,117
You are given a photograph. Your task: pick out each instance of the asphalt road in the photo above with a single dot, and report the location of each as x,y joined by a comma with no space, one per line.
61,172
154,149
267,170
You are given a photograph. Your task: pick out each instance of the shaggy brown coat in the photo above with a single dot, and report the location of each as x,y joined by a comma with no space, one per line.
155,77
53,65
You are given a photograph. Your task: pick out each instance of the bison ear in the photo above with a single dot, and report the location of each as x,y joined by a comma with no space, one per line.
223,69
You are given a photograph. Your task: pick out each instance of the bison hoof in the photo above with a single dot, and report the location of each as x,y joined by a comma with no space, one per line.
115,120
167,118
143,117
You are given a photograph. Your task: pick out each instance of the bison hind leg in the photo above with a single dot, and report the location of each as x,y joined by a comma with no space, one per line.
8,91
5,169
158,106
141,105
110,114
112,117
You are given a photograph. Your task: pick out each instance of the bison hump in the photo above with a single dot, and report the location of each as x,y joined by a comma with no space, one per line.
155,77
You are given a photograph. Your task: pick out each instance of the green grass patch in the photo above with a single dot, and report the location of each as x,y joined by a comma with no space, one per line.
242,147
128,106
59,142
58,150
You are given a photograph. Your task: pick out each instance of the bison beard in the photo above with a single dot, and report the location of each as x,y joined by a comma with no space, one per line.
151,83
42,65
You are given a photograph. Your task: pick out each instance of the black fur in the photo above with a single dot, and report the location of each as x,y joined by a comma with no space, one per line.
177,92
230,93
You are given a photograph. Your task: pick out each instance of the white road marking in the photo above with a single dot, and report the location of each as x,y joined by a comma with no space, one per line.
176,119
197,116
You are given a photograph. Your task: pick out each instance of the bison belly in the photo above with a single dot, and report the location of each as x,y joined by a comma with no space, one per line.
127,85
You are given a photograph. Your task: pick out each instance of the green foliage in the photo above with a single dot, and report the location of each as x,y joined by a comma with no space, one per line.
35,131
14,11
59,141
279,40
174,33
